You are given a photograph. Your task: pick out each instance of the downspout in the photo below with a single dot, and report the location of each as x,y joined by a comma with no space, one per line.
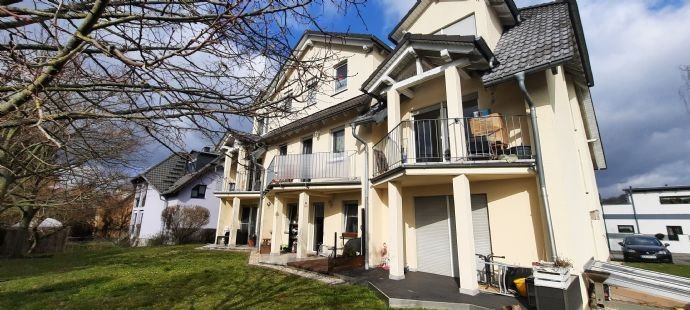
540,165
632,202
365,185
257,244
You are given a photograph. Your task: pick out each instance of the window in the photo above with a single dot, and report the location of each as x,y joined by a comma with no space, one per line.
338,141
310,97
287,103
626,229
673,232
341,77
351,211
199,191
463,27
282,150
674,200
260,124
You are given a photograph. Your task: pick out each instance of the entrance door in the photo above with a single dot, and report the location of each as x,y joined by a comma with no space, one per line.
247,224
482,232
428,136
318,226
306,159
433,228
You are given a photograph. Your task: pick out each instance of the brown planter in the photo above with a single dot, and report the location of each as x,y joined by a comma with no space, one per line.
251,243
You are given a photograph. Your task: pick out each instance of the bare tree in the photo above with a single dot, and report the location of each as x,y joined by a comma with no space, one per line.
182,222
82,80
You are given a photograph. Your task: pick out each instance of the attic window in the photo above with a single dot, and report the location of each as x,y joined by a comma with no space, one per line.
199,191
340,77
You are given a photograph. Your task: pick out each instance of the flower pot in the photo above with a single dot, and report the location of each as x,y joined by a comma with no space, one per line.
251,243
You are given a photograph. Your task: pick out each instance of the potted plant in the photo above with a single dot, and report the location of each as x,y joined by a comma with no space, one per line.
252,241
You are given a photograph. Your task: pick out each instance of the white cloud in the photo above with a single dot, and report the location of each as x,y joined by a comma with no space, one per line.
394,10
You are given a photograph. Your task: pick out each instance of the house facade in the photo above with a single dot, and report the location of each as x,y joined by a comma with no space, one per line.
475,135
651,211
186,179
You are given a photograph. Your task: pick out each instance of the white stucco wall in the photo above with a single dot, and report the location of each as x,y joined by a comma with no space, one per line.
652,218
210,202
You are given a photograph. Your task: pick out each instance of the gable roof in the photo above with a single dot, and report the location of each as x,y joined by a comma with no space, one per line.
188,178
508,14
549,34
164,174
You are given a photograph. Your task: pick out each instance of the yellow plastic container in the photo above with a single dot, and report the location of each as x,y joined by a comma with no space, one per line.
521,286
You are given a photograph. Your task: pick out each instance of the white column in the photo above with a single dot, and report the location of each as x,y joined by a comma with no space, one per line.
303,225
234,221
465,236
395,234
458,147
278,220
393,107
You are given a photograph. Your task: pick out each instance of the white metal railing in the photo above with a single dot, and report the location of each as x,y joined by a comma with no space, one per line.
240,182
446,140
315,167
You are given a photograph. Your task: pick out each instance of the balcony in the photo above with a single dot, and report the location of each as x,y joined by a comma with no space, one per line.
470,141
240,182
313,168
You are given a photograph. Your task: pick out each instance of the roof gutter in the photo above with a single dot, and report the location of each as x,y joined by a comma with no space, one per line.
520,77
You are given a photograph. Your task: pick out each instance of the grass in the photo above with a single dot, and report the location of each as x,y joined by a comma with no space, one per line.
674,269
172,277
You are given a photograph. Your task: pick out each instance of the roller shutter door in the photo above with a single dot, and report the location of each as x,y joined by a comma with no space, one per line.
480,223
433,235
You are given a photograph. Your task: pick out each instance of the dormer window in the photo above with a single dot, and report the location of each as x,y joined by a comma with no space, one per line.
199,191
463,27
260,126
340,77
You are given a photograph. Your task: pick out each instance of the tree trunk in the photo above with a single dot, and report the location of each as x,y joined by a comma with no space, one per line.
25,236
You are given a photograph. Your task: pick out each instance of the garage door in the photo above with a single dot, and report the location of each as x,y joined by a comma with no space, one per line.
480,224
433,235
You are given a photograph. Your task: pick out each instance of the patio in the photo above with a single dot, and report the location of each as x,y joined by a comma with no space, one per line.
425,290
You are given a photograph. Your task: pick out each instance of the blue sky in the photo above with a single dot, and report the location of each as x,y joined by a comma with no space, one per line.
636,48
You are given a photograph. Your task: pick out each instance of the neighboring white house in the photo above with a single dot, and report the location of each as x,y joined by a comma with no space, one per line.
181,179
651,211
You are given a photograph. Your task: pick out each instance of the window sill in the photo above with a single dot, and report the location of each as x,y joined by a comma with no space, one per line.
337,92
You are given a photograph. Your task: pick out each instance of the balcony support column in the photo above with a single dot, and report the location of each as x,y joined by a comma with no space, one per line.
396,239
456,138
234,221
278,220
393,108
467,261
303,224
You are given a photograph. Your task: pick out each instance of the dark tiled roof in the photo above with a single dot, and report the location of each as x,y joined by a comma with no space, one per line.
185,179
544,38
359,102
244,136
167,172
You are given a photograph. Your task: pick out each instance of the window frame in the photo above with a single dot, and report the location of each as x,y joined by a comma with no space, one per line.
675,234
310,96
347,215
281,148
340,85
632,229
195,193
674,200
334,137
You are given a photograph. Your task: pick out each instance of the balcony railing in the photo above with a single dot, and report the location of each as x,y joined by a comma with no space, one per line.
458,140
240,182
316,167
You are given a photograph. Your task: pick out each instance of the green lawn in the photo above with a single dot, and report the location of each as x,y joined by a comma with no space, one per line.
674,269
108,277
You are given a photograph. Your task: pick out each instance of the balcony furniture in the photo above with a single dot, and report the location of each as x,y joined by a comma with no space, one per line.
492,127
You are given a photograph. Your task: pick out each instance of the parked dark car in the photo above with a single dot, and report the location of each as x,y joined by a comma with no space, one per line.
645,249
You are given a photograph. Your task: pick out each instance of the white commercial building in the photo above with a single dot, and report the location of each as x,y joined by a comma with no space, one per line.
651,211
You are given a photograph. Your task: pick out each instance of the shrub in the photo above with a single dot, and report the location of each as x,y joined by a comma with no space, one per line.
181,223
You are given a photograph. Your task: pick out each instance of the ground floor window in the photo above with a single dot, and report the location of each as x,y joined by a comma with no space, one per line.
351,211
626,229
673,232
